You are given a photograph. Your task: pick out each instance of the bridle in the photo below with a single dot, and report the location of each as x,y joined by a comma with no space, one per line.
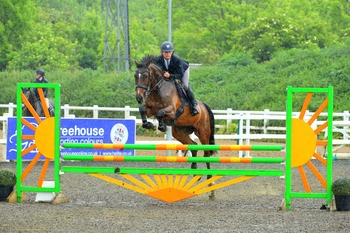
28,94
148,87
149,80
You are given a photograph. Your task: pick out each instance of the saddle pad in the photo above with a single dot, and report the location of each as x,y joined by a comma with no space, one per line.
182,95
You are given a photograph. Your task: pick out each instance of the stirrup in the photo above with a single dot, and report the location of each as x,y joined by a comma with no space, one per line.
51,111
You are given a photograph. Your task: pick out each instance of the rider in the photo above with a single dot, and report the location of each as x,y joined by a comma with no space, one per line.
40,78
176,68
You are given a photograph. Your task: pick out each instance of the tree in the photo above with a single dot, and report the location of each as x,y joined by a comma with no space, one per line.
16,21
44,50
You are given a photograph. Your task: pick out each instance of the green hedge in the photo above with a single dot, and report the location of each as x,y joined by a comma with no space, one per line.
236,82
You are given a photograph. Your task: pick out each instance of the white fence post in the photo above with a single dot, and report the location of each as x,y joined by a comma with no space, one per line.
346,118
266,120
11,109
66,110
240,132
127,112
95,112
4,135
247,131
229,113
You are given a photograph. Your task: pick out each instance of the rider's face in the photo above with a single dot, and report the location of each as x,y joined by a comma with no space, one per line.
167,55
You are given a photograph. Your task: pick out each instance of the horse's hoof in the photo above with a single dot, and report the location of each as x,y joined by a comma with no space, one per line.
162,128
212,197
148,125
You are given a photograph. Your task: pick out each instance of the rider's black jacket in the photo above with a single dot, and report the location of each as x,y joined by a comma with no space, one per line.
45,90
176,68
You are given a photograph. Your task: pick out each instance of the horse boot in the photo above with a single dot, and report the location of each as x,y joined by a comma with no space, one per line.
193,102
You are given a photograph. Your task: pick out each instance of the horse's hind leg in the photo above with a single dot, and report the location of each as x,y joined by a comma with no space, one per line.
194,154
207,154
212,193
182,134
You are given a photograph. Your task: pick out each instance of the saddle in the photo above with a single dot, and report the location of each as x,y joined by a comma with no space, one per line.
182,92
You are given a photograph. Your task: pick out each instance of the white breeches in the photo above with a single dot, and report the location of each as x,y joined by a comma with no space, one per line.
186,77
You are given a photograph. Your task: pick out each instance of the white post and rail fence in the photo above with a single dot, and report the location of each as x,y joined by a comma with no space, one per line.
252,125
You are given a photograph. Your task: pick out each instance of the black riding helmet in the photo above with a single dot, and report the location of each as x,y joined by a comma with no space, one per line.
40,71
167,46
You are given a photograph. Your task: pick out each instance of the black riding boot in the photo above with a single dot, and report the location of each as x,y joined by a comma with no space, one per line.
51,110
193,102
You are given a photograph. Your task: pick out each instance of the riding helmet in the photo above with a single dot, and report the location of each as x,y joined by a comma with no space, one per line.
167,46
40,71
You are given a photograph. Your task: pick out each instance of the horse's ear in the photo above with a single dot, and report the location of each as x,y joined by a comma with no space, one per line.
136,63
151,70
148,62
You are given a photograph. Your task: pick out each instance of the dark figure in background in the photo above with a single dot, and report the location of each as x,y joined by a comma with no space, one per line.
40,78
177,69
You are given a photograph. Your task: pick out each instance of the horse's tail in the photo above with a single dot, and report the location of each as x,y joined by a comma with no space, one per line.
212,127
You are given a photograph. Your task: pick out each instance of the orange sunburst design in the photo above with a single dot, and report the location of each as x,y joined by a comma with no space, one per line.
171,188
304,143
43,136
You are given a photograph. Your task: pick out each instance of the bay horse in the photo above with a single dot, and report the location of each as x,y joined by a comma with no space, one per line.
36,104
162,100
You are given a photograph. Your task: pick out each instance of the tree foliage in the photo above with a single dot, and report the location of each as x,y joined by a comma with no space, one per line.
16,19
236,82
70,34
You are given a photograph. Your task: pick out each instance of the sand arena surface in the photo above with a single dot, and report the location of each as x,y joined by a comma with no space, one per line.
99,206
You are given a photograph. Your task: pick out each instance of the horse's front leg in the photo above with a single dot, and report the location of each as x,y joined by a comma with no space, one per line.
161,126
143,112
168,111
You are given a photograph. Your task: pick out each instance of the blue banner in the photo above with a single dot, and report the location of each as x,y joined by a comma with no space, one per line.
78,130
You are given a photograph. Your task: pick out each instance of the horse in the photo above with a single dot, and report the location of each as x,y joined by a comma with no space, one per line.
36,104
161,99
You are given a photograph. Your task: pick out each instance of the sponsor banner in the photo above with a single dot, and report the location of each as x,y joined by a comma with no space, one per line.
78,130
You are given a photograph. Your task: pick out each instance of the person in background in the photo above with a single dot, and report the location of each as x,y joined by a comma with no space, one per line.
40,78
176,68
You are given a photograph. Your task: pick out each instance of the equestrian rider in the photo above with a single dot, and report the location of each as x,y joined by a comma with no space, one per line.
176,69
40,78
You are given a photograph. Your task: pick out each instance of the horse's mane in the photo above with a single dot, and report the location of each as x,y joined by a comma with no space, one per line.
144,61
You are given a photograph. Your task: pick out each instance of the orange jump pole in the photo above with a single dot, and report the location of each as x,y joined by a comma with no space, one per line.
173,147
170,159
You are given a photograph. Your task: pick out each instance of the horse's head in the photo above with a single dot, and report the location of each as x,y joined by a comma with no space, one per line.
27,93
142,80
25,89
147,77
